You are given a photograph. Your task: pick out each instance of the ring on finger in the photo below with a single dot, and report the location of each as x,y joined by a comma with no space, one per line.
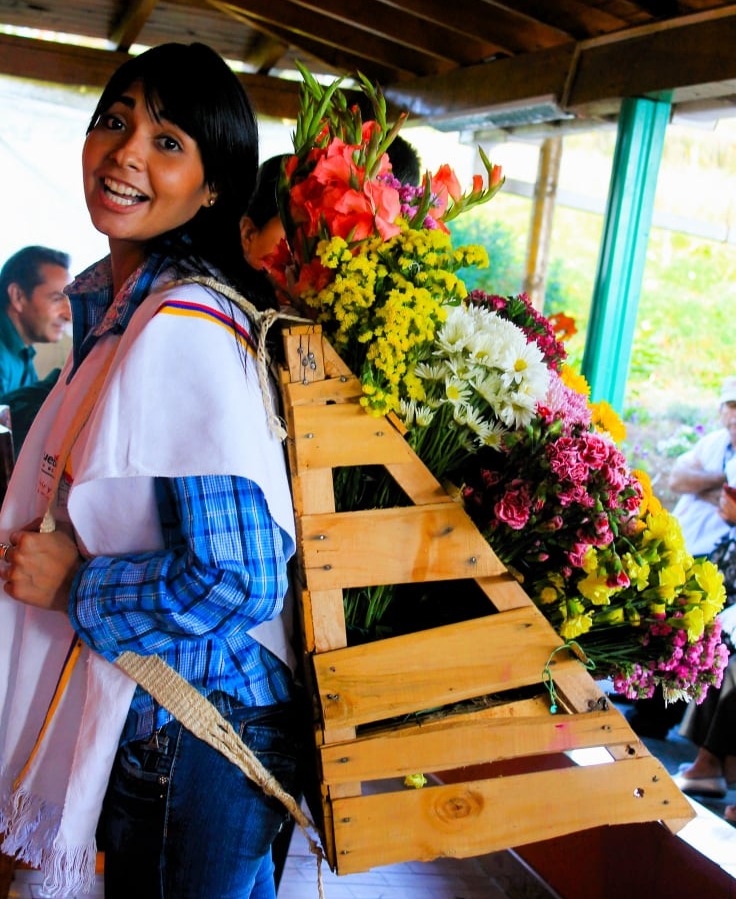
4,549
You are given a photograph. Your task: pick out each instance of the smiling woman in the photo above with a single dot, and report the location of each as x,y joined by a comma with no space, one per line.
161,537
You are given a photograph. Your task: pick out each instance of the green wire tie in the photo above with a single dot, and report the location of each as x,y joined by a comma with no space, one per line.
547,678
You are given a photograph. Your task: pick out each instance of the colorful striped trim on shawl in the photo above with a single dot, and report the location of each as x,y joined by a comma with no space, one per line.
197,310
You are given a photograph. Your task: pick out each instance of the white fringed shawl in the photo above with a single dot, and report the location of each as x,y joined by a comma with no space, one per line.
176,402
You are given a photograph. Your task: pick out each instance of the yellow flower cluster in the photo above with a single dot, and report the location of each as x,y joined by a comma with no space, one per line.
388,298
605,418
577,382
663,578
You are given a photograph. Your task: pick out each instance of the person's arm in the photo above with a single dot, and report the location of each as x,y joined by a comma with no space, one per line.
228,574
689,475
707,484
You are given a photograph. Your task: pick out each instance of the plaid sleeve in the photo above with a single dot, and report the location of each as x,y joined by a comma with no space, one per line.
223,571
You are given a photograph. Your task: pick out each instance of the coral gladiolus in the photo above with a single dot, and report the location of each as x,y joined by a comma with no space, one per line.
446,185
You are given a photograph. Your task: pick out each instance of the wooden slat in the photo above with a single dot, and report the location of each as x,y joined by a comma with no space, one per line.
463,741
313,490
303,349
394,546
504,591
579,694
418,482
325,613
333,390
429,669
484,816
343,434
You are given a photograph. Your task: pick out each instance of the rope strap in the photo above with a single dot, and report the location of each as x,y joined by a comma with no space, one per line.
200,717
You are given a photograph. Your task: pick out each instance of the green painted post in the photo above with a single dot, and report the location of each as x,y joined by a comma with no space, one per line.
607,354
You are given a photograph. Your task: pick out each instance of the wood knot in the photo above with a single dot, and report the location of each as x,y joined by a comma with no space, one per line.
459,806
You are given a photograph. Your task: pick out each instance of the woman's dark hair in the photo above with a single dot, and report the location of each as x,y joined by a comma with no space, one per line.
202,95
264,204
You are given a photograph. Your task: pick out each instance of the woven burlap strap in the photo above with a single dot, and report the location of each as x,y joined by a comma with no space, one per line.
193,710
202,719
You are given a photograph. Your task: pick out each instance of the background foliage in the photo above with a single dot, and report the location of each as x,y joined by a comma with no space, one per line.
684,343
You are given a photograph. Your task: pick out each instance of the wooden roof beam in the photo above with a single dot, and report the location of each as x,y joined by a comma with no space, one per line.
83,66
693,56
125,33
409,29
302,27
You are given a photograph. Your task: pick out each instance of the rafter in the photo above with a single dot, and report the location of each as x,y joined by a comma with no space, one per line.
126,31
302,25
409,28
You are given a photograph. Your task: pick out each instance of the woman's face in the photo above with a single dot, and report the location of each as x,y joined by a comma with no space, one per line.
141,177
257,242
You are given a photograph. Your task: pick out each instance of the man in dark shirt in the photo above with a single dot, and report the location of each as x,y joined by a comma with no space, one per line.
33,309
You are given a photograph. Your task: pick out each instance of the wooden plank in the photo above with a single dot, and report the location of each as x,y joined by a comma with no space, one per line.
319,34
334,365
504,591
344,434
130,25
422,34
333,390
325,612
458,743
313,490
591,77
478,88
579,694
428,669
418,483
304,354
394,546
86,66
484,816
654,61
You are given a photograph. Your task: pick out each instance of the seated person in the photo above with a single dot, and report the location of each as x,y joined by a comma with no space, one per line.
699,475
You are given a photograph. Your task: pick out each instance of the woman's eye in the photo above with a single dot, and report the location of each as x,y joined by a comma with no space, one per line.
169,143
110,121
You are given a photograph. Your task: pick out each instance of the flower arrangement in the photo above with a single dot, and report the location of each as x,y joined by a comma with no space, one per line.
481,385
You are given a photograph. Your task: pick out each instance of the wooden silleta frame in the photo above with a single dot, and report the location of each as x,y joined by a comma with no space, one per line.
499,775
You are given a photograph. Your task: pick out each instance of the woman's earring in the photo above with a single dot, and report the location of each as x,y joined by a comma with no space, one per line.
211,201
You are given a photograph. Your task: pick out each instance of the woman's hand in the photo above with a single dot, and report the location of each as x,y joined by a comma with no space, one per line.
39,568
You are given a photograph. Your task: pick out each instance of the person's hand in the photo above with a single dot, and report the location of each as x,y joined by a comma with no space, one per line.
39,568
727,506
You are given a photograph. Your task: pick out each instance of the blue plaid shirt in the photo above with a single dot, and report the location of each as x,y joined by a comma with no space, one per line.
222,571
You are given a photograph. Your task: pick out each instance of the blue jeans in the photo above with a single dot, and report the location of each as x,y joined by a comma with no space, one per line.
182,822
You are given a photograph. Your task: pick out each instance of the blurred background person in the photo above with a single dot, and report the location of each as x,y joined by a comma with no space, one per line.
699,476
34,309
